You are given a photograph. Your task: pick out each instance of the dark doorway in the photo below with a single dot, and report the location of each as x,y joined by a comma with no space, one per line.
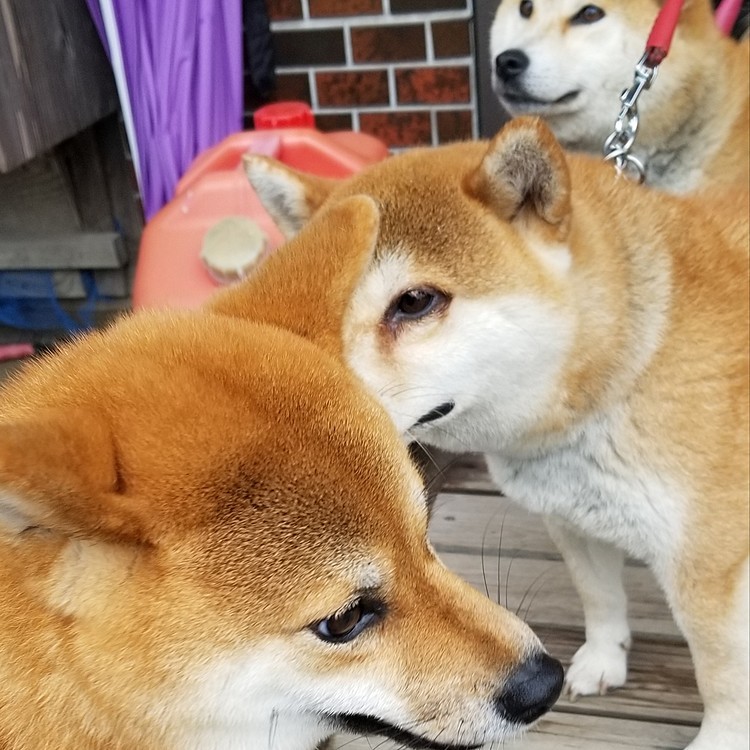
491,114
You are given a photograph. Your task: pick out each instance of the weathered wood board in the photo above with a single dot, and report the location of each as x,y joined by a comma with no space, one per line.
54,76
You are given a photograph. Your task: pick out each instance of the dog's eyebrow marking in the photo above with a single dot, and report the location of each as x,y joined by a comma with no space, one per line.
370,577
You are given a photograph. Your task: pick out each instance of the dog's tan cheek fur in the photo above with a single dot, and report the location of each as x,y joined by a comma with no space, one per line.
432,622
446,624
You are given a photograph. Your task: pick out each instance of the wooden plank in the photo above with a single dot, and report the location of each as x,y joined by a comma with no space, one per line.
56,79
119,173
82,166
85,184
561,731
503,549
79,250
15,139
35,198
542,592
489,523
468,473
112,282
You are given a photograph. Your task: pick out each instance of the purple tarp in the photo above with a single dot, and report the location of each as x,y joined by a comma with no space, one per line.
182,62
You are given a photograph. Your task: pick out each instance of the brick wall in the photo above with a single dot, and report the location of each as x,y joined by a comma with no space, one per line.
402,70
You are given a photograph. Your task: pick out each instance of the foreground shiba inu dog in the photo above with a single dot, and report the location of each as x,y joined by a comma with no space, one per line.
190,559
592,341
568,61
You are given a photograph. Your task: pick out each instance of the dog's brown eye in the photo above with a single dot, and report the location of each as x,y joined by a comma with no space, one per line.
526,8
341,625
349,623
414,304
588,14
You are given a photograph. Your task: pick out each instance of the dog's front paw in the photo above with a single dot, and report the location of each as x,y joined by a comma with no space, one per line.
597,668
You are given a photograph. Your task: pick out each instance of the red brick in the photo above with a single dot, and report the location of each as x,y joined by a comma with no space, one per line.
345,7
451,39
433,85
309,47
426,6
292,86
398,129
284,10
329,123
454,125
388,43
344,88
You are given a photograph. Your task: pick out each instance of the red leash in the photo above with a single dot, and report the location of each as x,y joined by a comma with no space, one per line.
660,38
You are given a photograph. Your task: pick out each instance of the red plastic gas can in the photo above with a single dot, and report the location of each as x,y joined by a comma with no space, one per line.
169,271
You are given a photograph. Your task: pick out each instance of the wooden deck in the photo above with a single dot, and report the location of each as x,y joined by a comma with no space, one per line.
659,707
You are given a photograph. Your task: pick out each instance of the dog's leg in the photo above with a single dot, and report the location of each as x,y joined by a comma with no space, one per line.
596,569
713,614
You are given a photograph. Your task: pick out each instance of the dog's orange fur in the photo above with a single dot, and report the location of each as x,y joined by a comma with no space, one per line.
656,287
184,489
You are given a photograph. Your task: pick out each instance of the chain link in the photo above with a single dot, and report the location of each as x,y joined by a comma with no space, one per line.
621,139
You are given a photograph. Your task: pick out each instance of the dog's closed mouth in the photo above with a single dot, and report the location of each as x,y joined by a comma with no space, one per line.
362,724
519,97
436,413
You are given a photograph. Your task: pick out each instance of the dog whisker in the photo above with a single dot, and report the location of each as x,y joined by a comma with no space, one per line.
507,577
499,554
483,552
529,590
540,577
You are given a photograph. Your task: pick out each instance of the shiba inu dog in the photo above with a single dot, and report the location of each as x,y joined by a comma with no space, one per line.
190,561
568,61
592,341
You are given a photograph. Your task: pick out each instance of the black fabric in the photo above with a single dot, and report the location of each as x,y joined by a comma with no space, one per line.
259,51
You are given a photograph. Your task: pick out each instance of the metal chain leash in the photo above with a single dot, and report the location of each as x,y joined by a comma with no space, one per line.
621,139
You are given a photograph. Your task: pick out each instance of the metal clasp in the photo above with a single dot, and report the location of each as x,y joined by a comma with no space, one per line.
621,139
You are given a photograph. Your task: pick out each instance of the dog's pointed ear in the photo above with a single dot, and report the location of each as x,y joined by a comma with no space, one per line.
524,175
305,286
58,471
290,197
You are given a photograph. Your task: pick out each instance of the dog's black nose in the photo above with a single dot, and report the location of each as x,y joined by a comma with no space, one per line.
510,64
531,690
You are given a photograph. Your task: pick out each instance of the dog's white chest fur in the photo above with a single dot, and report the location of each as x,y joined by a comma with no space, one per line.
594,481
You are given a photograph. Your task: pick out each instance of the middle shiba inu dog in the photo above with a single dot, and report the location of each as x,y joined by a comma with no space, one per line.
568,61
212,538
591,340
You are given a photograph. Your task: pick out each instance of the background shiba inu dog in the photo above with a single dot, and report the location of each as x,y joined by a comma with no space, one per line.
533,306
189,560
568,61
